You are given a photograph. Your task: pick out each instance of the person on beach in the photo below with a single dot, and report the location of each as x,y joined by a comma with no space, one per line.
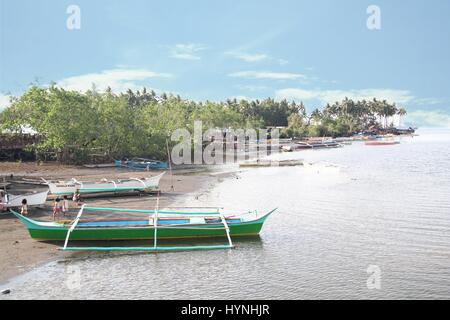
57,208
24,208
65,205
76,197
3,201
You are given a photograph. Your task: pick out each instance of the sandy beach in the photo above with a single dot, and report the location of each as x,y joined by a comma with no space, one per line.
19,253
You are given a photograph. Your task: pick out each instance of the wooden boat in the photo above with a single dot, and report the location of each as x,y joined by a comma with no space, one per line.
141,163
270,163
157,224
34,199
70,187
316,145
382,143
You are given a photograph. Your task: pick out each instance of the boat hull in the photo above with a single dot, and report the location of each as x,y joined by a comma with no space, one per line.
36,199
131,185
381,143
49,231
137,165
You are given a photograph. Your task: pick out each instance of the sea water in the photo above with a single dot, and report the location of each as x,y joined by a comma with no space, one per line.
353,223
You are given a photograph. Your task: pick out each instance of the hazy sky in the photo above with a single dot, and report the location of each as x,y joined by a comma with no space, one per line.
315,51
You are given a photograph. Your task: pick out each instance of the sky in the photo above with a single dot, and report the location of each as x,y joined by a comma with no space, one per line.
313,51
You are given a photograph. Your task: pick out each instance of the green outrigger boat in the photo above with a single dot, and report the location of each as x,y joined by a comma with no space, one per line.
157,224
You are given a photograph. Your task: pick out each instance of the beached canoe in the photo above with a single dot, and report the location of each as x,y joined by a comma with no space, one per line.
168,225
33,199
141,163
70,187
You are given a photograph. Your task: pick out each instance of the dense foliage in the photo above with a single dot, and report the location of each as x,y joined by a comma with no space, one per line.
344,119
139,123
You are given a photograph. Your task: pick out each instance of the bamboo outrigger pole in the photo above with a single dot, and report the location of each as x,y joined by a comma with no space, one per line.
227,228
72,227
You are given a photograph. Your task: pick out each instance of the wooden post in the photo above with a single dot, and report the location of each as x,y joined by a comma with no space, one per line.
169,160
155,223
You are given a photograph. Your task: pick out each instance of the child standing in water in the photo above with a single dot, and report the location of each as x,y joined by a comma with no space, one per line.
76,197
65,205
57,208
24,208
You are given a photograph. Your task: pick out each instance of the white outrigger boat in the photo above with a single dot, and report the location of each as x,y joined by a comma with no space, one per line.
132,184
34,199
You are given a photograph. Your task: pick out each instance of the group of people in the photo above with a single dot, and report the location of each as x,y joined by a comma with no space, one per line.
62,205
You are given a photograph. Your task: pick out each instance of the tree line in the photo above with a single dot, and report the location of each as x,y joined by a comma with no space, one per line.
138,123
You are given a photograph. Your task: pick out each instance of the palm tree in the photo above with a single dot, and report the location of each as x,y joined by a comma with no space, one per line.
402,113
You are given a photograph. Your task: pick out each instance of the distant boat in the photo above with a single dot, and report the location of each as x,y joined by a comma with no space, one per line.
33,199
382,143
270,163
132,184
142,163
317,145
344,140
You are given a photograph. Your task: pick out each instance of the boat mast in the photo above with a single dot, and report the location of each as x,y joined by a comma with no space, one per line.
169,160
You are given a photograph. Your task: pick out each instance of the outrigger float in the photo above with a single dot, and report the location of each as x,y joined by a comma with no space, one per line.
157,224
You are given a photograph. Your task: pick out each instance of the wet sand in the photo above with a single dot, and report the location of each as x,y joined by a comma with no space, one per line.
19,253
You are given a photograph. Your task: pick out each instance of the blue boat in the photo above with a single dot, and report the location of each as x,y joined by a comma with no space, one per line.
141,163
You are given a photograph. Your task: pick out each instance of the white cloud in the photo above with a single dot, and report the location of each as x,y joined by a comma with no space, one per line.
267,75
331,96
252,88
187,51
119,80
428,101
428,118
4,102
255,57
247,56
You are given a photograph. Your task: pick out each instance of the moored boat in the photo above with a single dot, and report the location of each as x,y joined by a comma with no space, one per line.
157,224
70,187
33,199
381,143
316,145
262,163
141,163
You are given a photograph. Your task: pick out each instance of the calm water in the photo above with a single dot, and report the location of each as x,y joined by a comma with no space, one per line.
355,207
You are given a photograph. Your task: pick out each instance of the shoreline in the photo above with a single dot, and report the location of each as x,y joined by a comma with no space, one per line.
21,254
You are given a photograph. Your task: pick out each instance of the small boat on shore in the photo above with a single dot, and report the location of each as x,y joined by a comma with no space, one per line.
132,184
141,163
155,224
33,199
